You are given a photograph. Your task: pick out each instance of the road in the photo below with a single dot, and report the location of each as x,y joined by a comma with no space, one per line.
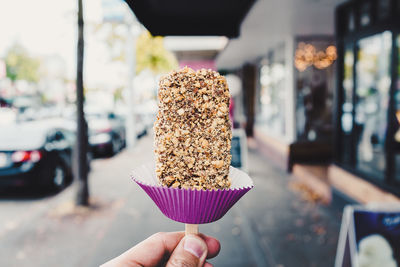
270,226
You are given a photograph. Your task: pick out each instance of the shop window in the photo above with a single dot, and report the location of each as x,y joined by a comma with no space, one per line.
383,9
371,103
369,108
272,94
365,14
314,86
347,106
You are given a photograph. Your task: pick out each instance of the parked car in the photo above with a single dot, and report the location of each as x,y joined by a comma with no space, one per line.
35,154
107,134
7,116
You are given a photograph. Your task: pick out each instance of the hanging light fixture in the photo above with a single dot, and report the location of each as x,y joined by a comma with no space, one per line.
306,55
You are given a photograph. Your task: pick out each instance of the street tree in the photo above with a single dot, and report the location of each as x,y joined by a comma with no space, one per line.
20,65
152,54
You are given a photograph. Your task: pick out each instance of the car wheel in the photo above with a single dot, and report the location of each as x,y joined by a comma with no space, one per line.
59,179
120,143
114,147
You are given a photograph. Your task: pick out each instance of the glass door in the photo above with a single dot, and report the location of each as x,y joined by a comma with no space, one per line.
371,103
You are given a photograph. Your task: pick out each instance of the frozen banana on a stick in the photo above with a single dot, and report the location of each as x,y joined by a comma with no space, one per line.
193,131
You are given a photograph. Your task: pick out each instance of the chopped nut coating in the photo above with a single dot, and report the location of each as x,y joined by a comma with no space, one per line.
192,131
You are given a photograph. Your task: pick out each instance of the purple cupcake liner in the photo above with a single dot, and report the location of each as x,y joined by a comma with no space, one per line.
188,205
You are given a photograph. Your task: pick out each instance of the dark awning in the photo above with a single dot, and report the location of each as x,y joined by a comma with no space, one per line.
189,17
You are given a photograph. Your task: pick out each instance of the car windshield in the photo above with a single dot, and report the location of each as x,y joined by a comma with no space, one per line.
21,137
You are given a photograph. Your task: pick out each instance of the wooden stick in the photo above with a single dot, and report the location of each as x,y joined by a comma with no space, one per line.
191,229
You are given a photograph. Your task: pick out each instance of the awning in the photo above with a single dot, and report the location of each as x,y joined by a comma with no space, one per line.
189,17
271,24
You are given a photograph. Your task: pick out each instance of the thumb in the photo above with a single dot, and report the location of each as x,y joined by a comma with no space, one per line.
190,252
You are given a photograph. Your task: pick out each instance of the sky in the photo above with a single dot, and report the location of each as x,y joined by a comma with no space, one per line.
48,27
44,27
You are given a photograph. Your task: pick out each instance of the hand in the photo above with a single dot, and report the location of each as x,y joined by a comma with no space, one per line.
170,250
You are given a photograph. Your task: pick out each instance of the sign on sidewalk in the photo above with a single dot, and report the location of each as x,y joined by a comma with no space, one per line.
239,149
369,237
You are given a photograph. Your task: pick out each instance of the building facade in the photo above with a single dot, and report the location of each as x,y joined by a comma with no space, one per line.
326,89
295,98
367,115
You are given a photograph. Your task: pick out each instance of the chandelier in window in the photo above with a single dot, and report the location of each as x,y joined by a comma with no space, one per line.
306,55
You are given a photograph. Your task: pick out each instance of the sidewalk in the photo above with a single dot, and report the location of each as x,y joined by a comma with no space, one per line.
270,226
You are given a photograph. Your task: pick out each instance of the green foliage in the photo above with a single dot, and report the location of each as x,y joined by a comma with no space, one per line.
150,51
118,94
151,54
21,66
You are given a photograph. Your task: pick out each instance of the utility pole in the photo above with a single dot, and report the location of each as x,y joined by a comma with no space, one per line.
82,197
131,61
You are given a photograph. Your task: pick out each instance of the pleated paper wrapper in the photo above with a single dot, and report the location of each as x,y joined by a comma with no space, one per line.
189,205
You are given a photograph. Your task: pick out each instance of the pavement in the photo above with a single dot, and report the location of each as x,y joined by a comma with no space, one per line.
272,225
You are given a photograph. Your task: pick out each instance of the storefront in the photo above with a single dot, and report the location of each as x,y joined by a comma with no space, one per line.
367,114
314,62
295,98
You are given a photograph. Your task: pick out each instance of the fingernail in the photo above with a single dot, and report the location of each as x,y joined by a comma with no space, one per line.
194,246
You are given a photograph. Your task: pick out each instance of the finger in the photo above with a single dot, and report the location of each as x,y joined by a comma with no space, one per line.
149,252
207,264
190,252
213,246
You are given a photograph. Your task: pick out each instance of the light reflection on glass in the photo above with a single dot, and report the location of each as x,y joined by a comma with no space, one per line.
272,95
365,16
351,25
347,106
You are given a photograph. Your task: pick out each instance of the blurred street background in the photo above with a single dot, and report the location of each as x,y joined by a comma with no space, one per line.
315,110
258,231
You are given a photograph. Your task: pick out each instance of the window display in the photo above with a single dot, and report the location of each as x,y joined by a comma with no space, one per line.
372,100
